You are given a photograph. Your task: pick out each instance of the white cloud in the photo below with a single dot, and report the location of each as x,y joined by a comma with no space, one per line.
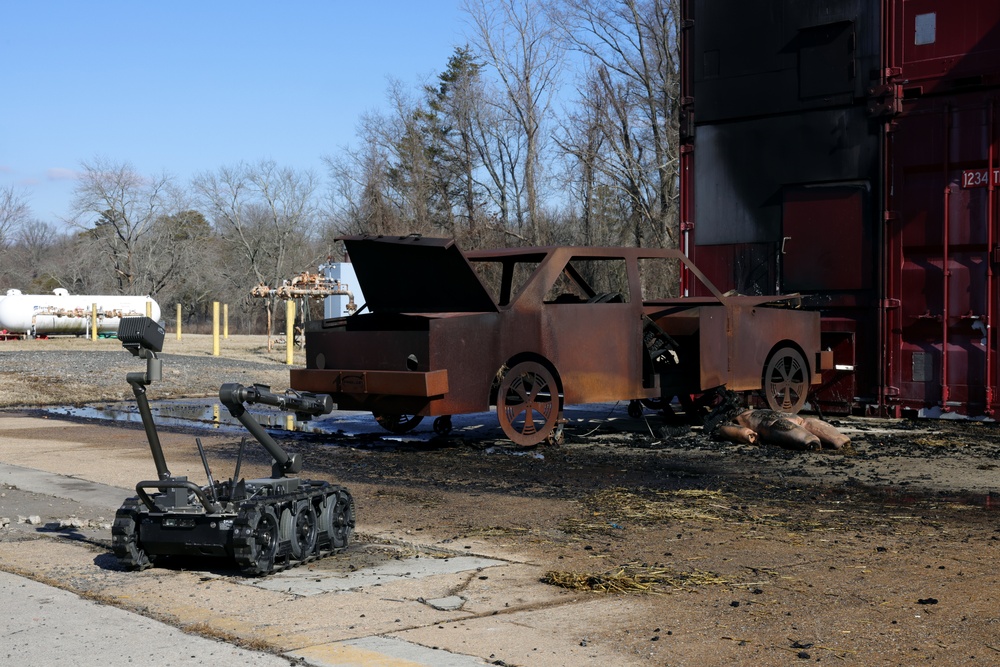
61,174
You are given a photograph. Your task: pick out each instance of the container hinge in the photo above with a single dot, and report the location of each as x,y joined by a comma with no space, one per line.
687,226
887,304
685,125
686,148
885,99
890,391
686,24
890,216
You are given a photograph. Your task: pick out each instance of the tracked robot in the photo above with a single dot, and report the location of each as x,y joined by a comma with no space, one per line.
264,525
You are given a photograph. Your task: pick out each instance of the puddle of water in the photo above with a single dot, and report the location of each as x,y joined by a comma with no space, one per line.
209,414
191,412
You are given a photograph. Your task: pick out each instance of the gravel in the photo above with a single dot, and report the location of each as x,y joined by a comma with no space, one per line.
54,372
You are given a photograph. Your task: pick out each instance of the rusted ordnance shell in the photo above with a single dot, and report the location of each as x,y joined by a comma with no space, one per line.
775,428
736,433
828,435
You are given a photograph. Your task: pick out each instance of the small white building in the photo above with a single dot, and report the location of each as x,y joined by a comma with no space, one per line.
336,305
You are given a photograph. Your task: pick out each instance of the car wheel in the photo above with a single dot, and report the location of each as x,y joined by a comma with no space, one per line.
528,403
442,425
786,380
397,424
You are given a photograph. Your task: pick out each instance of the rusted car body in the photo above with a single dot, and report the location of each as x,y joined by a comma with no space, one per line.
532,329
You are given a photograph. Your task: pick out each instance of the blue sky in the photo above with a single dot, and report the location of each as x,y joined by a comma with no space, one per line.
187,86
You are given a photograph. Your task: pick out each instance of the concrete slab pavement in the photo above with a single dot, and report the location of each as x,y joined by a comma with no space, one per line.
506,615
305,582
61,486
44,624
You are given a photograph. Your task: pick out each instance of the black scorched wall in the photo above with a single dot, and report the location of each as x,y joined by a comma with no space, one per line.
779,106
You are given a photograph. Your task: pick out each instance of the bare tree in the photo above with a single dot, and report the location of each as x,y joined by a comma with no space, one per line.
582,138
468,158
633,47
14,212
29,261
176,248
84,272
359,199
499,146
266,216
119,207
515,38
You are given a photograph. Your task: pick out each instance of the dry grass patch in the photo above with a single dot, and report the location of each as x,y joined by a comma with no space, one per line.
632,578
619,508
242,347
18,389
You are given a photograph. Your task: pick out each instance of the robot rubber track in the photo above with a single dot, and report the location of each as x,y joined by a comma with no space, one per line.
263,525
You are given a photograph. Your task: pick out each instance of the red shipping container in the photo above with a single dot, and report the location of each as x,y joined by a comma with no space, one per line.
847,150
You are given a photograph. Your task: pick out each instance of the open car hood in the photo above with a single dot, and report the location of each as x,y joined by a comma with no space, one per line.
410,274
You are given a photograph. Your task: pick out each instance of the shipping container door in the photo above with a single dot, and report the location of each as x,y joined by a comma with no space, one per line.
942,231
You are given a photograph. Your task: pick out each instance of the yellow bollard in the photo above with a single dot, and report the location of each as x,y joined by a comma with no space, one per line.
93,321
215,328
178,321
290,332
225,321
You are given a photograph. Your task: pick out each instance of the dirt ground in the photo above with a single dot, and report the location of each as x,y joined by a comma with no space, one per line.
644,541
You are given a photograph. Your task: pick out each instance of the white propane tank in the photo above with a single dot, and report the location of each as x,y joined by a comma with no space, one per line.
63,313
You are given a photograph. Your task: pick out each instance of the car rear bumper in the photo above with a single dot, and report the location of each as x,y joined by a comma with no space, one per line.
361,384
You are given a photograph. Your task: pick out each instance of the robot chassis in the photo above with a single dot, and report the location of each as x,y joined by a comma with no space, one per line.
264,525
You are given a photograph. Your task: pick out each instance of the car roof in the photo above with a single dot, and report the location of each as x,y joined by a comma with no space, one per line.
416,274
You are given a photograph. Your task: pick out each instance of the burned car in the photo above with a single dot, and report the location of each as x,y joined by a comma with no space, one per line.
529,330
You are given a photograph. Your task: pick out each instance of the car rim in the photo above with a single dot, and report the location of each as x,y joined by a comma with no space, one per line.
527,403
397,423
786,381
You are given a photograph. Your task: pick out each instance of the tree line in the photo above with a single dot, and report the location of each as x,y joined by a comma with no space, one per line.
557,123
